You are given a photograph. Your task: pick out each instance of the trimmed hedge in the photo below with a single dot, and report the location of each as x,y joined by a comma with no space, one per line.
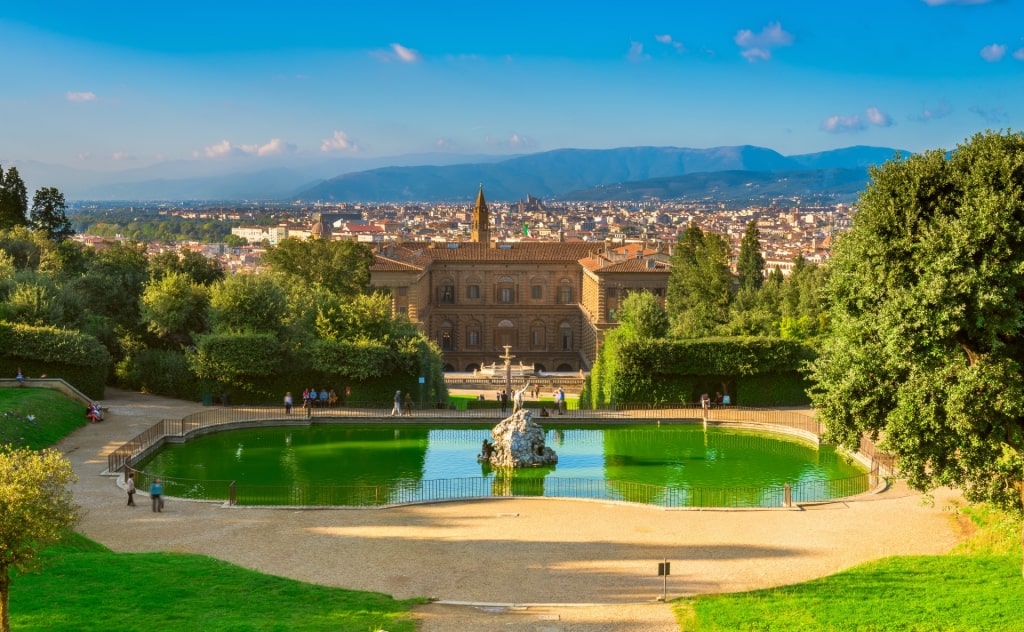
159,371
755,371
77,358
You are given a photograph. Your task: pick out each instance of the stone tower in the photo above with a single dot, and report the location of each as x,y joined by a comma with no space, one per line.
481,219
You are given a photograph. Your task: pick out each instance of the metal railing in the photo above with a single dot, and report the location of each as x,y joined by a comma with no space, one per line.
151,439
499,486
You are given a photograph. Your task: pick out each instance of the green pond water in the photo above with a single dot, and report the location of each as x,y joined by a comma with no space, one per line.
345,464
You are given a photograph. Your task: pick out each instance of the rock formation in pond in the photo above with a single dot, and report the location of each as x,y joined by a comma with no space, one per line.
519,442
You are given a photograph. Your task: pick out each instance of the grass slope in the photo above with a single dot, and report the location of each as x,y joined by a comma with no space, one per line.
978,587
37,417
85,586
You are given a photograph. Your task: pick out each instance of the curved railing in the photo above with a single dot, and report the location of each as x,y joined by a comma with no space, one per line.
153,438
452,489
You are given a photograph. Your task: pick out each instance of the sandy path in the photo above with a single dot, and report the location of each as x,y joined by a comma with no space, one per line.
507,551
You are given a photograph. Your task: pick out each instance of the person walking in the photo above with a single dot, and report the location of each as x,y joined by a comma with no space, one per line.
130,488
288,403
156,494
397,408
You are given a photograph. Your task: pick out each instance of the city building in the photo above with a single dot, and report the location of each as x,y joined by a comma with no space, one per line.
549,301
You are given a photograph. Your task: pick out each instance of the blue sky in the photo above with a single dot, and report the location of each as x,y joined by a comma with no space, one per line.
116,85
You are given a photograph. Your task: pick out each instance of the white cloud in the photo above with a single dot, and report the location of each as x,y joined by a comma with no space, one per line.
939,111
444,144
339,141
514,141
837,124
122,156
226,148
758,46
1019,54
80,97
275,147
939,3
398,53
993,52
878,117
636,52
993,115
667,40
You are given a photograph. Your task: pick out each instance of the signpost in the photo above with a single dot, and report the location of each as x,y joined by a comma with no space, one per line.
664,570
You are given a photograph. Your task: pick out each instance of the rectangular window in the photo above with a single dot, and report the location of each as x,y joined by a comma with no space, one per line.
474,338
505,295
536,291
537,338
446,340
446,294
565,295
473,291
402,291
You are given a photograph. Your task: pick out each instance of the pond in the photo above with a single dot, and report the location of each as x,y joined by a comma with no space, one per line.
346,464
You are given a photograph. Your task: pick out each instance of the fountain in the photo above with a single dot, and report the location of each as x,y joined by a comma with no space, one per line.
518,441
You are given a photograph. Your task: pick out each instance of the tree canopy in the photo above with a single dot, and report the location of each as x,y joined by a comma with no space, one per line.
36,509
340,266
49,214
13,199
700,284
926,302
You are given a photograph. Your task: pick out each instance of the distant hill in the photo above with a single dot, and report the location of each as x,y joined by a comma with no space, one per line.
565,172
840,185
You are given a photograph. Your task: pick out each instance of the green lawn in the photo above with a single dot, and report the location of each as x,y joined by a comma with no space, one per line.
37,417
978,587
86,587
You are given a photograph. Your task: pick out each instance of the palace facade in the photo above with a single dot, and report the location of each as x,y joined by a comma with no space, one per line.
550,301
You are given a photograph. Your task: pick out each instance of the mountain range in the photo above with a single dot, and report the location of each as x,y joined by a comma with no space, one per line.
735,172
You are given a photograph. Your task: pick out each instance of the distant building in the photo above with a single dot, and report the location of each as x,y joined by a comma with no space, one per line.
551,301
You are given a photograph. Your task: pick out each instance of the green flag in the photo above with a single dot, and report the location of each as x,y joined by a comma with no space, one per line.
526,229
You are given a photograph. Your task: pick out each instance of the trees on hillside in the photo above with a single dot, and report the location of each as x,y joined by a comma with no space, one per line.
926,301
750,266
49,214
342,267
13,199
700,284
36,510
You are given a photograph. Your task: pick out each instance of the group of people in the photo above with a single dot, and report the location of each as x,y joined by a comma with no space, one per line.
402,406
156,492
94,412
311,398
719,400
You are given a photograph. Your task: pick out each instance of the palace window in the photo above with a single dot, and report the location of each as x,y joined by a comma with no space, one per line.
536,291
447,341
446,292
565,333
472,291
506,295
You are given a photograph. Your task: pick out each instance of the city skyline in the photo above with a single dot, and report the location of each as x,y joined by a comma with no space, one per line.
119,86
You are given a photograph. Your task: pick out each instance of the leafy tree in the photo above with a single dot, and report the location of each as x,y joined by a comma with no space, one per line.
174,307
36,510
197,267
642,316
26,249
13,200
248,303
113,282
234,241
340,266
700,284
926,305
750,266
365,316
49,214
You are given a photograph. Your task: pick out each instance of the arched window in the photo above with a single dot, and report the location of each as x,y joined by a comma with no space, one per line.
505,291
473,340
538,335
565,336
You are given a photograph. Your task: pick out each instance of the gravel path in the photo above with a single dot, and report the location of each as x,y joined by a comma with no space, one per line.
534,561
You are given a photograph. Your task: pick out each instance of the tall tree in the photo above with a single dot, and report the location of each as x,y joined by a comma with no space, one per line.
750,266
700,284
642,316
36,510
926,302
13,200
248,303
49,214
174,307
340,266
197,267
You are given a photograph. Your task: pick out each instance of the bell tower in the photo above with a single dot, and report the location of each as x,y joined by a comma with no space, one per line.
481,219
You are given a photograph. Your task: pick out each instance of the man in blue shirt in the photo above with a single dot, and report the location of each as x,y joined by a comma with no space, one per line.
156,492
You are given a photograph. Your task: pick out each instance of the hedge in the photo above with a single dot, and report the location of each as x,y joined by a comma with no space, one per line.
79,359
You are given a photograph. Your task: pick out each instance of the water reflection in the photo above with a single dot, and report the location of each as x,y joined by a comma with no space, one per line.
665,464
